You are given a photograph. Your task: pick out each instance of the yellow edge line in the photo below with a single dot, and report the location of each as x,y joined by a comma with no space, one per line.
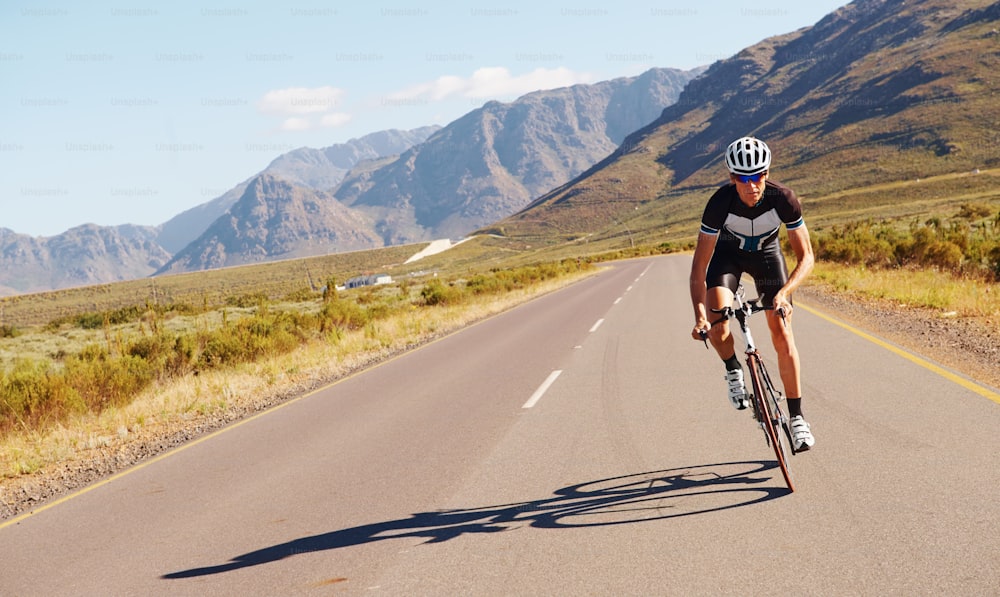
965,383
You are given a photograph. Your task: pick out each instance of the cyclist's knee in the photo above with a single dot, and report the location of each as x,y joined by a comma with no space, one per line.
718,332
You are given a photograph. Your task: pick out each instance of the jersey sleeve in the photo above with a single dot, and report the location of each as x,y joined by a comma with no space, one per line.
715,214
790,210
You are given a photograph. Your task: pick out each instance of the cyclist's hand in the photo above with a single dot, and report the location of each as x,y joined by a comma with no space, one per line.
700,331
782,306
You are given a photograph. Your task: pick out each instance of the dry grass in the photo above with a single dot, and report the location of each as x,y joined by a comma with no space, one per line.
917,288
225,393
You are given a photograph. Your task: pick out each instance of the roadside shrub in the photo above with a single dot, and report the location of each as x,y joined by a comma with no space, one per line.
251,338
856,244
944,254
436,292
974,211
112,373
32,394
102,379
343,315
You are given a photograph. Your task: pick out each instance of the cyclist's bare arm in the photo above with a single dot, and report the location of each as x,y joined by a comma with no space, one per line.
703,251
802,247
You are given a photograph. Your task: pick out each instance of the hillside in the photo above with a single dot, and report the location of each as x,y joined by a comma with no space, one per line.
481,168
320,169
876,93
491,162
276,218
83,255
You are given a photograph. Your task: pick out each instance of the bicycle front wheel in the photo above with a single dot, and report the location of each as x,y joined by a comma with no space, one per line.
769,417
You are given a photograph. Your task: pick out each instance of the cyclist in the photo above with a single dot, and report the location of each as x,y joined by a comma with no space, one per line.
739,234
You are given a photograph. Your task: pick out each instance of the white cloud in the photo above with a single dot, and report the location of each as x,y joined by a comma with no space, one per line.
305,108
493,82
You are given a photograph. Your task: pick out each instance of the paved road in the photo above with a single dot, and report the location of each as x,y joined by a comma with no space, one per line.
448,472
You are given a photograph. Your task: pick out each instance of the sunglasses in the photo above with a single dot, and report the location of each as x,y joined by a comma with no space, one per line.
750,178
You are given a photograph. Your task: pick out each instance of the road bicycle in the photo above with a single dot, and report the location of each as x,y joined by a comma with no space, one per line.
766,399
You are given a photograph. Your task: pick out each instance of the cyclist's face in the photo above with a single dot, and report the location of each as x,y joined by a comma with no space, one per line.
750,192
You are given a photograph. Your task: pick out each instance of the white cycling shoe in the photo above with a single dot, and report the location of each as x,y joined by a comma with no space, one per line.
737,391
802,437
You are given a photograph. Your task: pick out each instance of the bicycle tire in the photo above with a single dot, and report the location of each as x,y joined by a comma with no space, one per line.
763,397
778,415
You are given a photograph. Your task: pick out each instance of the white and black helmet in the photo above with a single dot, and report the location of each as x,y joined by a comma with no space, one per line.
748,155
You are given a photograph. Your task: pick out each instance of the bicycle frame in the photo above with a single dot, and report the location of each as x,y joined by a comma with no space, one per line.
766,398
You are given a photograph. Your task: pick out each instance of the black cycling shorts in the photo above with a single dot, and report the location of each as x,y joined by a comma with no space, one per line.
767,268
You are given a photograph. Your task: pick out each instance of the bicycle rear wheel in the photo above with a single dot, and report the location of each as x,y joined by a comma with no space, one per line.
769,419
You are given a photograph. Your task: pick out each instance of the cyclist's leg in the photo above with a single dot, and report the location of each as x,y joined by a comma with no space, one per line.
722,280
769,279
769,276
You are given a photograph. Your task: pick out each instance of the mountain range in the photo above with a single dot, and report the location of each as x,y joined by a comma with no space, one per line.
874,93
387,188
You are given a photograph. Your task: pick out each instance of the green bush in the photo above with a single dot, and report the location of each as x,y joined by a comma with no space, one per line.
34,394
436,292
102,379
956,246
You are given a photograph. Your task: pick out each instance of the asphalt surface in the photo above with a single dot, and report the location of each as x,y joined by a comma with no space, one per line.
581,444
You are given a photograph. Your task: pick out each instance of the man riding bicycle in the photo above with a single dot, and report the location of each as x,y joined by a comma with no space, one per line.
739,234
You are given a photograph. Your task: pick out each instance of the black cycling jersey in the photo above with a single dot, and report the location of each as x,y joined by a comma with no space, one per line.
754,228
748,237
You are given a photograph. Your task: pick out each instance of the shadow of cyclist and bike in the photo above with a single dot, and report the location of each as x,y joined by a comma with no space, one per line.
628,499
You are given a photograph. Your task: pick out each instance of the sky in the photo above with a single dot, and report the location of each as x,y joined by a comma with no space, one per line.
133,111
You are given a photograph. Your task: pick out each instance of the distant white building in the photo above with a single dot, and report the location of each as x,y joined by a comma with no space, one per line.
375,280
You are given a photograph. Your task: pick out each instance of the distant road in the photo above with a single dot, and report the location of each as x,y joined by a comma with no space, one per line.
580,444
